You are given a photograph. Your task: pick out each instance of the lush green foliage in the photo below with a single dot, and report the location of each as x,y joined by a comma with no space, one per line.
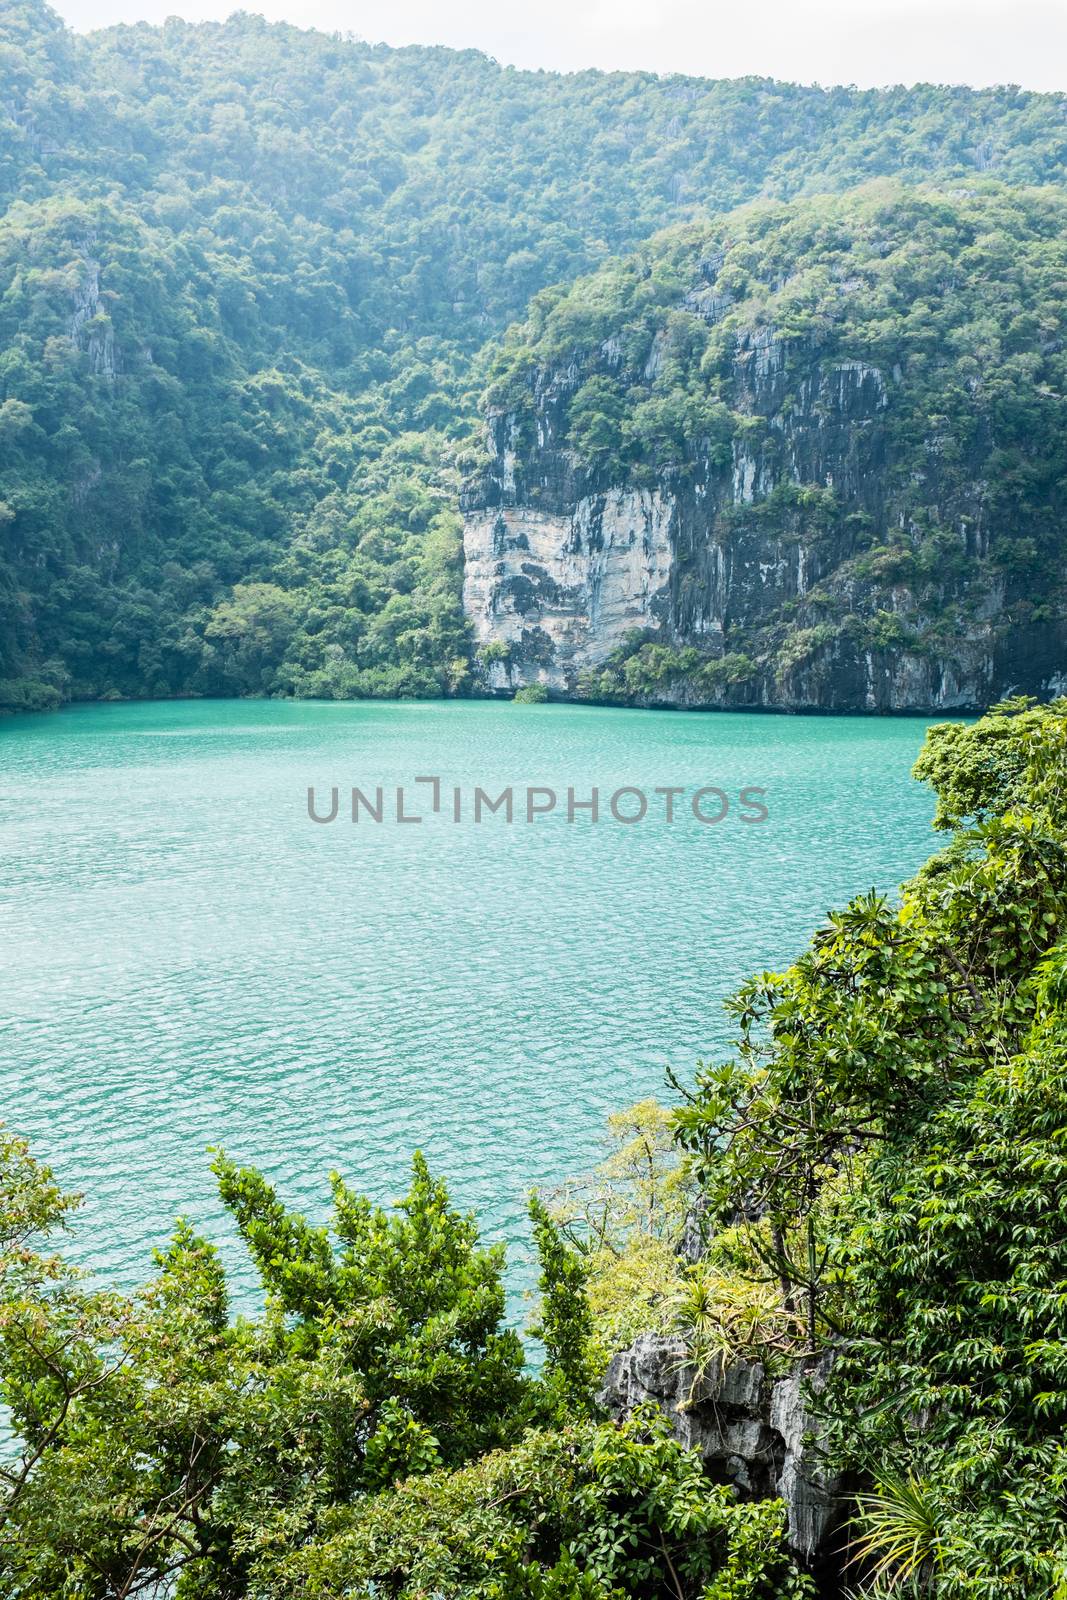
161,1437
933,478
892,1142
244,271
246,275
592,1512
373,1434
214,514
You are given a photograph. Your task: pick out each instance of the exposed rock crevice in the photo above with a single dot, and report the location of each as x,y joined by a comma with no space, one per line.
754,1431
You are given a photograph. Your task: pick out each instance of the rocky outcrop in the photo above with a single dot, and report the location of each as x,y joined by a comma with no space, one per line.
86,321
754,1432
798,553
568,590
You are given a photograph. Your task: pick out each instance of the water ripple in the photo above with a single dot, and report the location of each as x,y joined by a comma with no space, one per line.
190,962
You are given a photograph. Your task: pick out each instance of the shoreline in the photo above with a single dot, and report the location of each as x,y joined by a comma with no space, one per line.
923,713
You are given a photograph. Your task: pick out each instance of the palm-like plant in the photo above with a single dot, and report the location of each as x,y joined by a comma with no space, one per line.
899,1539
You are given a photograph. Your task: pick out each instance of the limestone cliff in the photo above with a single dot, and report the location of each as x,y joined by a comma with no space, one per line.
754,1431
820,537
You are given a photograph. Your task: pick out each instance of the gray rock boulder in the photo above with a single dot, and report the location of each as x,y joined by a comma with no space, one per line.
696,1232
753,1432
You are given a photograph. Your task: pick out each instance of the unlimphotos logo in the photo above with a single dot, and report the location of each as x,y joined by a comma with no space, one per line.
628,804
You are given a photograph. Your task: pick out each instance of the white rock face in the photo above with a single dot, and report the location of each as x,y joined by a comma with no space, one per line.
757,555
564,589
103,355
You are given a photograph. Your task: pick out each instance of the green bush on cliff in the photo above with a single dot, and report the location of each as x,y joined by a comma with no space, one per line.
893,1139
651,671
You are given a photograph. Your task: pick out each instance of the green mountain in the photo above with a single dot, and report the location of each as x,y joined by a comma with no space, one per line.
247,274
812,454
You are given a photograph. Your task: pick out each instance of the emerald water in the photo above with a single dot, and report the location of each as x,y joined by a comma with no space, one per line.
190,961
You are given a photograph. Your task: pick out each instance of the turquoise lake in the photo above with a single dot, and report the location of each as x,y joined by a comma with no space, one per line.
190,961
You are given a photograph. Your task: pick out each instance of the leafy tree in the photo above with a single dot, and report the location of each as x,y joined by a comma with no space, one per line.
626,1221
890,1146
592,1512
564,1322
159,1438
373,1433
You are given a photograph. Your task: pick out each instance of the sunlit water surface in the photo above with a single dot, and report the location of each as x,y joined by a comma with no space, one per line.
189,961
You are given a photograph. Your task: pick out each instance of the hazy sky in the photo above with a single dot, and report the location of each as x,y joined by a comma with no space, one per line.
826,41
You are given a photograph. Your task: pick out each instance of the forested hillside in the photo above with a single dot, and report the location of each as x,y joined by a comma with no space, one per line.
245,276
811,454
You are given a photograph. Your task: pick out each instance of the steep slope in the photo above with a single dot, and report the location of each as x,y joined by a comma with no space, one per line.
244,273
811,455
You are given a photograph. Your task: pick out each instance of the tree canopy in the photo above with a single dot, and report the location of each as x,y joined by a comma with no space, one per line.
246,276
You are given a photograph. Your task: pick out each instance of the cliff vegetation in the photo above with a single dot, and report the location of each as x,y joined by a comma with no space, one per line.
809,454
